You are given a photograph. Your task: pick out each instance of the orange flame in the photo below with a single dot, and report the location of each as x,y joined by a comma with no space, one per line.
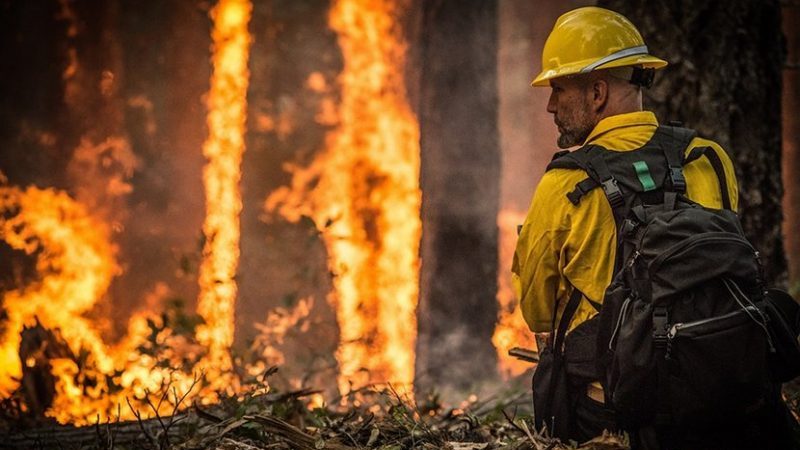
75,263
227,105
363,194
511,330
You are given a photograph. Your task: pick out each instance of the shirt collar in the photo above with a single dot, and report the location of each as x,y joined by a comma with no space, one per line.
638,118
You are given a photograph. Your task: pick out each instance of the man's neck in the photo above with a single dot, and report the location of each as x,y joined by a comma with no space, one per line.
621,101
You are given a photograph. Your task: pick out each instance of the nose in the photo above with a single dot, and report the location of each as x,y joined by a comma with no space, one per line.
551,102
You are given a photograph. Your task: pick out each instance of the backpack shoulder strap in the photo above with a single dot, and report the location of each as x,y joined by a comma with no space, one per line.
674,141
719,170
558,334
589,158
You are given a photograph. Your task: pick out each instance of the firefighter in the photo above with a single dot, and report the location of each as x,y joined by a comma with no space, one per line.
596,64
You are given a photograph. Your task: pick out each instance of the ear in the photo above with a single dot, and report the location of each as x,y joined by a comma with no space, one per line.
599,94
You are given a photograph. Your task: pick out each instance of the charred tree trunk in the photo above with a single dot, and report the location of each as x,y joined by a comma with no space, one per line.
292,42
724,80
167,70
460,183
31,92
791,141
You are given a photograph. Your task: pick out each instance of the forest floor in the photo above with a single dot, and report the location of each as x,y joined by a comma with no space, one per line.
371,418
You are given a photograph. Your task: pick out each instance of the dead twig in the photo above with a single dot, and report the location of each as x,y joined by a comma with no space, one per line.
138,416
513,424
293,435
163,439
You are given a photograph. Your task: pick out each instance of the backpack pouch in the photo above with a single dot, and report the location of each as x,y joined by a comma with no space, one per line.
552,403
632,378
580,347
716,366
784,324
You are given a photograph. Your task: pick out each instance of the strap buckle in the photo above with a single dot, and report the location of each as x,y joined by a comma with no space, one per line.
576,194
677,178
628,227
660,326
613,193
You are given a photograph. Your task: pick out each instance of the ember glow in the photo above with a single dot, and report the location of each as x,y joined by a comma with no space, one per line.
363,193
511,330
75,263
223,149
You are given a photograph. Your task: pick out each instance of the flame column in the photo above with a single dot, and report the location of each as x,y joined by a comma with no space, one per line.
363,194
221,176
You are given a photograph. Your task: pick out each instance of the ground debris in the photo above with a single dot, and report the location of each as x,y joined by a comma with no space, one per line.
378,418
384,420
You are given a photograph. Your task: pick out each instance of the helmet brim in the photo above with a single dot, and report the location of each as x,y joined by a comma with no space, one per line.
644,61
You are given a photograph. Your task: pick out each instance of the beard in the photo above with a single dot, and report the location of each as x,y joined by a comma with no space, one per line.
574,127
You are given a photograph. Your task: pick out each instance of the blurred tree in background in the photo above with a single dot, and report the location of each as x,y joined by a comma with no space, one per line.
724,80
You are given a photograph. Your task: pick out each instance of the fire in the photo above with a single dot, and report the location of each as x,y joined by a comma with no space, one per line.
363,193
227,105
74,262
511,330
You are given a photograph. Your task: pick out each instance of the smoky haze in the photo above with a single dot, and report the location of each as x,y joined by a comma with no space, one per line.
105,100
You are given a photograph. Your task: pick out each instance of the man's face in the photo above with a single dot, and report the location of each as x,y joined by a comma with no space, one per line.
571,106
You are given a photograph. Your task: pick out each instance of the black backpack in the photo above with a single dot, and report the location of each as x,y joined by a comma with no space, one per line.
687,332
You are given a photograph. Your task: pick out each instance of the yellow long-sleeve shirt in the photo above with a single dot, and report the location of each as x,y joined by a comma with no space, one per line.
561,245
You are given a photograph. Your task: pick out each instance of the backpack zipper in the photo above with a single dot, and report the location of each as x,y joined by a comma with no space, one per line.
632,260
677,327
624,310
622,314
687,243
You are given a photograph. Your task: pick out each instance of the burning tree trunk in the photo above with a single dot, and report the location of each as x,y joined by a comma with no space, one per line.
791,141
294,62
166,76
733,98
460,184
38,346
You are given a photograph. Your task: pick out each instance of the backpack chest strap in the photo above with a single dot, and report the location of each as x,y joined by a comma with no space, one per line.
582,188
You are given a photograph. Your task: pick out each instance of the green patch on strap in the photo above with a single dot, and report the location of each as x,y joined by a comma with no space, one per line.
644,175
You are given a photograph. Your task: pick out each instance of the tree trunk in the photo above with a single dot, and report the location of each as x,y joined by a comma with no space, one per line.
31,92
724,81
283,262
460,183
791,142
166,71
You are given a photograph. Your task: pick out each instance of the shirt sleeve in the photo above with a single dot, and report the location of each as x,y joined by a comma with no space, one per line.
535,265
562,245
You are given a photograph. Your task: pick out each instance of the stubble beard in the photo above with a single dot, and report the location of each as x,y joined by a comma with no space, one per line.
575,133
575,126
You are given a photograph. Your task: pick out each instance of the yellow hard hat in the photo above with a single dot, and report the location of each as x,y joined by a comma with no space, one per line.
591,38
